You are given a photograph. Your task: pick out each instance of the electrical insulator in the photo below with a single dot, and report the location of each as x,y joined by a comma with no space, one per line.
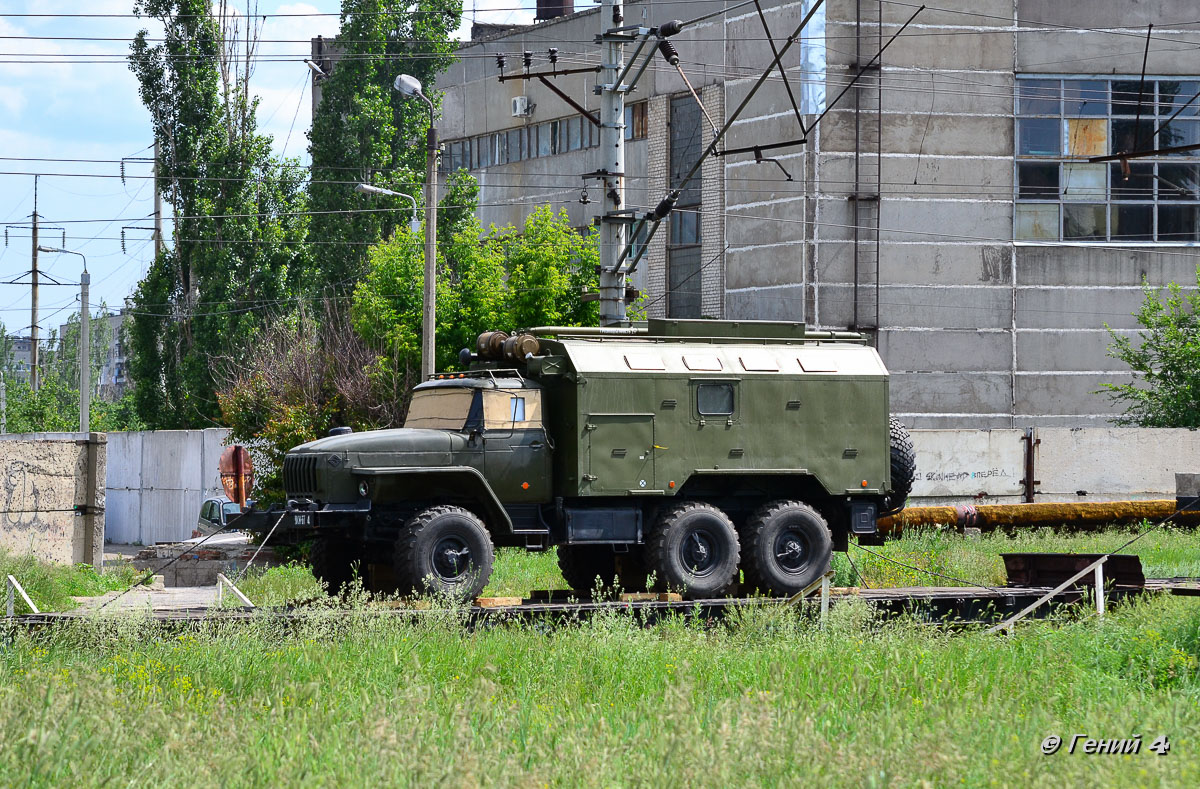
122,242
500,59
669,52
528,58
553,55
122,172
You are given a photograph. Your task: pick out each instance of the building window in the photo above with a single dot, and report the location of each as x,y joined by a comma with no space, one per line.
1060,196
635,121
683,244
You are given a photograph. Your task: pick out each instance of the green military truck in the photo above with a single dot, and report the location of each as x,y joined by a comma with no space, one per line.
697,453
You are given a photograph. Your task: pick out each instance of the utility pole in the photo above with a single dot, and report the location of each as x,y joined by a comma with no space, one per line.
429,307
611,169
33,321
411,86
85,353
158,236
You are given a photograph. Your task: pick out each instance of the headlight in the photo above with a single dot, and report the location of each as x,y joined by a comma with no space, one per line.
364,489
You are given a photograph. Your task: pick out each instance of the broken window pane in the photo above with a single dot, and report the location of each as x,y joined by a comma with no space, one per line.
1180,132
1087,136
1085,97
1179,182
1084,181
1085,222
1037,181
1036,222
1037,97
1039,137
1179,223
1137,185
1133,223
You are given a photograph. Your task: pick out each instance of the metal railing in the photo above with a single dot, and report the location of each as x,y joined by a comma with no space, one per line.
1096,567
222,582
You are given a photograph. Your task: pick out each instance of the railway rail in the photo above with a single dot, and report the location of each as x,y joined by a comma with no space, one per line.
933,603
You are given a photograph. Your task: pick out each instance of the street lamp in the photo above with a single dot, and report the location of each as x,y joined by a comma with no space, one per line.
367,189
85,367
411,86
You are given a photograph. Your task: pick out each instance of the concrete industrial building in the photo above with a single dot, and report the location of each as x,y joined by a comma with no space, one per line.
944,204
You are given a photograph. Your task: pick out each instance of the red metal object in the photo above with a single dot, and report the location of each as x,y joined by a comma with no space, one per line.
237,473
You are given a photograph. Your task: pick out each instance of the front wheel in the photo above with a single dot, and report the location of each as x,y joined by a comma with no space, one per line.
787,546
445,550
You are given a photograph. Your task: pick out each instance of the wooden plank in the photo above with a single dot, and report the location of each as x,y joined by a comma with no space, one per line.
497,602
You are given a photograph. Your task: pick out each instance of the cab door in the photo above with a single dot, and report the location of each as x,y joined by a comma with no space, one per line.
516,449
620,453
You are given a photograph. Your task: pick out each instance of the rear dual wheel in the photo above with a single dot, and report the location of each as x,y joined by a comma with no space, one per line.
787,545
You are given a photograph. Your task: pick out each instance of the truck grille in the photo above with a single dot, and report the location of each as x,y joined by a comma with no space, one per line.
300,475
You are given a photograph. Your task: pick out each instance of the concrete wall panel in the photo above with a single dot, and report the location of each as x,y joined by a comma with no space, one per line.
1066,394
758,268
776,304
1039,351
945,350
1092,266
952,135
1058,51
1069,308
970,393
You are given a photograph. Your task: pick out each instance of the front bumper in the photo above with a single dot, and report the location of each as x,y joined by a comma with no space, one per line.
300,517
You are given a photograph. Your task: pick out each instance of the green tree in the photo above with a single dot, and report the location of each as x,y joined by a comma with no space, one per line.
238,211
365,131
1165,359
506,280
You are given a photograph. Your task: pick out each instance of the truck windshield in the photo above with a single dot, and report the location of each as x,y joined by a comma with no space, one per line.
440,409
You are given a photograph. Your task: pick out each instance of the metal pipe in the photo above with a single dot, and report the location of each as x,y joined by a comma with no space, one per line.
1070,515
590,331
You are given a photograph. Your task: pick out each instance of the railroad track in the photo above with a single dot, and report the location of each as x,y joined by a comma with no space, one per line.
935,603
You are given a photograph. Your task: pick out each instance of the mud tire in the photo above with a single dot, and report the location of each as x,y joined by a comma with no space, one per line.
693,549
787,546
445,550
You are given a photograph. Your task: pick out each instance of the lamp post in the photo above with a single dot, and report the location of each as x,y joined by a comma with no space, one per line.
367,189
85,355
411,86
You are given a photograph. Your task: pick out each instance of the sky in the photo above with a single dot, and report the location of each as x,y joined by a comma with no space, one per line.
66,96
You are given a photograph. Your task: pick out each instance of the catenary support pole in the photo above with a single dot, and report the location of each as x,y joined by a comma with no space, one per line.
612,166
85,355
33,299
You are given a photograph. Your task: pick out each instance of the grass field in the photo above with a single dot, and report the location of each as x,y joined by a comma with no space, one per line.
763,698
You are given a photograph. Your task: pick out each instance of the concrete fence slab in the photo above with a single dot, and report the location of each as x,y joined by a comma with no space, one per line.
957,464
52,496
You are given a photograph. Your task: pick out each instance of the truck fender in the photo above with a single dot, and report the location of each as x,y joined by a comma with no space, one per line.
455,481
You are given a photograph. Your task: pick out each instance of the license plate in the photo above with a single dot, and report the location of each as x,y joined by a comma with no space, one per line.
303,519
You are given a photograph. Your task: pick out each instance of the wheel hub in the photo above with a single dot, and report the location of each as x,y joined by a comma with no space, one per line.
791,551
451,557
699,552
